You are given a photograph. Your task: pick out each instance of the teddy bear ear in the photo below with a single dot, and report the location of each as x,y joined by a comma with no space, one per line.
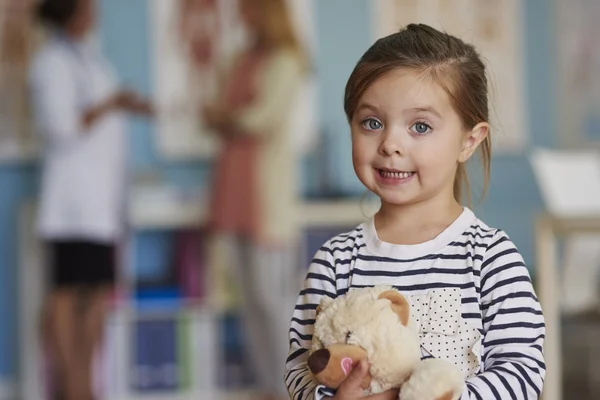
399,304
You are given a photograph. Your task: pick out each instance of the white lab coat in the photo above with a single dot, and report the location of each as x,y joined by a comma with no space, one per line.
83,176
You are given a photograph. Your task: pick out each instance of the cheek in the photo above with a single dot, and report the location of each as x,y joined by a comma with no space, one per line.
436,160
358,149
364,149
357,155
358,163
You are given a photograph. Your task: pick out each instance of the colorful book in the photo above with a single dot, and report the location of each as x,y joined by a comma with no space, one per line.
155,360
189,263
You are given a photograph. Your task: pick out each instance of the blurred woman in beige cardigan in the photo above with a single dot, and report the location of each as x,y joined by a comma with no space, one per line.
254,192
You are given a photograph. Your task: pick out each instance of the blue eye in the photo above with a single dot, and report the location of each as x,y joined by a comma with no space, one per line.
420,128
372,124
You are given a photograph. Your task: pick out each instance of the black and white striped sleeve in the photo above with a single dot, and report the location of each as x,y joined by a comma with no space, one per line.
513,328
319,282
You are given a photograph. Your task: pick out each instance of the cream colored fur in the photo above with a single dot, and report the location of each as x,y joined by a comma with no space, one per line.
432,379
360,318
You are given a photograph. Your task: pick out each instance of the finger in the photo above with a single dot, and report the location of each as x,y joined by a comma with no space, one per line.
355,377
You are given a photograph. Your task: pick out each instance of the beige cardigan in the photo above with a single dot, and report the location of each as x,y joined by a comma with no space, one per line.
269,116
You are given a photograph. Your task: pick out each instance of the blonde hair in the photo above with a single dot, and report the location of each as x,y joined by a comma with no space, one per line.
277,27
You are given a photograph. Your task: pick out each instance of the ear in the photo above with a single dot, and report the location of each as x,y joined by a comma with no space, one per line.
399,304
319,309
473,140
325,300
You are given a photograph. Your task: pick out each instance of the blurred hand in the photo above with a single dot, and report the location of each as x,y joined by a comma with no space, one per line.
213,114
217,118
351,388
131,102
123,100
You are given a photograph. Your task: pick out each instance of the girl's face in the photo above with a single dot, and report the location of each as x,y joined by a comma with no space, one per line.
407,139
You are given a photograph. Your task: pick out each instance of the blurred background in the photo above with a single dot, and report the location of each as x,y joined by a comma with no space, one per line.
175,328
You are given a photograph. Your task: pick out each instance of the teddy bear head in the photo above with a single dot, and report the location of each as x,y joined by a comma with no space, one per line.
369,323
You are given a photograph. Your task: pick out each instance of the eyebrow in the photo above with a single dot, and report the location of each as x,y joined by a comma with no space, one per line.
428,109
362,106
425,109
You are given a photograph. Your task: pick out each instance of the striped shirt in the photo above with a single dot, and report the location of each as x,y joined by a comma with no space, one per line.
497,298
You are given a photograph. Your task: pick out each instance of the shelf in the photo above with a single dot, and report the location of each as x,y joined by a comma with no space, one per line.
189,308
162,209
165,208
195,395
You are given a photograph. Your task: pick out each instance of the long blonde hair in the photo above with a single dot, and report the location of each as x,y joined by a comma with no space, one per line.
277,27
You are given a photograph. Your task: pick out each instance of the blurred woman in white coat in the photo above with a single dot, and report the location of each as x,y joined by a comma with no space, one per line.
78,110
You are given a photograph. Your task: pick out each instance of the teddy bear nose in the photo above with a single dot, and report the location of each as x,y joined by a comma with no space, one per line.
318,361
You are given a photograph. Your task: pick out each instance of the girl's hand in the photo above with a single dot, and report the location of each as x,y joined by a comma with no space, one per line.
351,388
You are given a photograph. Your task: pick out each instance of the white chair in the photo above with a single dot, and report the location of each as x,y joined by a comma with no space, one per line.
569,182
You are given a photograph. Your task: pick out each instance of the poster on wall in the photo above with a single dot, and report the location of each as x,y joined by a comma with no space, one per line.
578,59
191,40
19,38
495,27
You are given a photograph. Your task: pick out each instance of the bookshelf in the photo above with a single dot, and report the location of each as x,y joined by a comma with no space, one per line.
198,332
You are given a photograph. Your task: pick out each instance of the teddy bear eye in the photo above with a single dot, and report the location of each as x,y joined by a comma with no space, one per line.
348,336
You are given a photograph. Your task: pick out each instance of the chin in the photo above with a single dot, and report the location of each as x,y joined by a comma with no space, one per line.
395,198
397,201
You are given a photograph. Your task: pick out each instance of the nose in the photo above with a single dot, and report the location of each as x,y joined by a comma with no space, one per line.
391,144
318,361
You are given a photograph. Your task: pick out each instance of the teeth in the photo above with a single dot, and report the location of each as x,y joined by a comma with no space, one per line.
395,175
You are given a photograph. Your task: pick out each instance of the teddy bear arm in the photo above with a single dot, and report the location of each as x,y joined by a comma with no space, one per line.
433,379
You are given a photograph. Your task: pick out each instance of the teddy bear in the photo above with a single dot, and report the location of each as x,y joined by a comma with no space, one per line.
375,324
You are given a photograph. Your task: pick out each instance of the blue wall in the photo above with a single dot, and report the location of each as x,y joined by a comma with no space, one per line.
343,35
17,183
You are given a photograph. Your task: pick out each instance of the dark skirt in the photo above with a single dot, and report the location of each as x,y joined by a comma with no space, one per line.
81,263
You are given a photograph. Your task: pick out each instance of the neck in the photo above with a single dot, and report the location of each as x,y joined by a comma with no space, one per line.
75,32
417,222
71,36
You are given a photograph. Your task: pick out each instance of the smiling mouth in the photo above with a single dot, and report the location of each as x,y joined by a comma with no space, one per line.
388,174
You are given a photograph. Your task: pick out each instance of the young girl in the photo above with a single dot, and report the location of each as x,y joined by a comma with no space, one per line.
418,109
